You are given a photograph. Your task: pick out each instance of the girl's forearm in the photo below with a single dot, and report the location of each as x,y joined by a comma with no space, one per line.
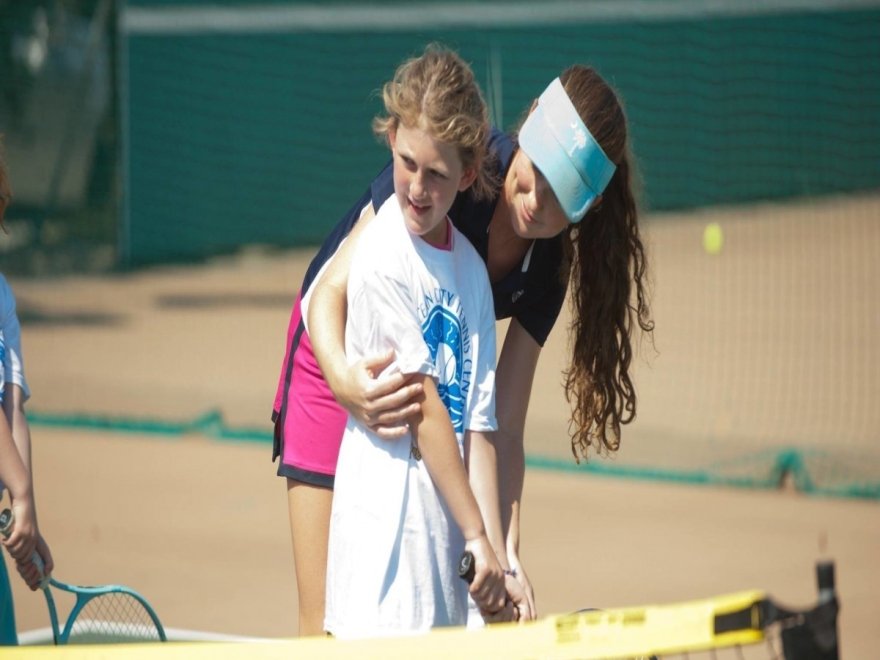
482,469
13,406
326,322
435,438
328,309
511,464
13,471
514,376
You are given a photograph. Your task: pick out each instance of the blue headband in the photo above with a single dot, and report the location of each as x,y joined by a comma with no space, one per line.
559,144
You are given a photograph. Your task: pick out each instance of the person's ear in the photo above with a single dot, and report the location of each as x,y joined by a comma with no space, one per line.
467,179
392,137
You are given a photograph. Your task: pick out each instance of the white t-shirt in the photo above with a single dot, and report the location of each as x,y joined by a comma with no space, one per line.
394,547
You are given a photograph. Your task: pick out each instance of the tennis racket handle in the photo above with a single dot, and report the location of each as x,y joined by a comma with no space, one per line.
7,519
466,567
825,578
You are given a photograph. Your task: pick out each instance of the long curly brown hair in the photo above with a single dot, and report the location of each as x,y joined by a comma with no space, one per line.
607,266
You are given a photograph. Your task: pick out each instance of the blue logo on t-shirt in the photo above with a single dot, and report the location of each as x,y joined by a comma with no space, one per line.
445,340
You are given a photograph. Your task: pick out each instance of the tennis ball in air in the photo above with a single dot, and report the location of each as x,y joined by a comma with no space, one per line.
713,238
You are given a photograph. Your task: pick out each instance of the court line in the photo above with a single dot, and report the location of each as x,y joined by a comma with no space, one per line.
43,637
777,462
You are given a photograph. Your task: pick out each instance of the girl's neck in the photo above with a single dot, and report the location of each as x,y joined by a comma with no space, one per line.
506,247
446,242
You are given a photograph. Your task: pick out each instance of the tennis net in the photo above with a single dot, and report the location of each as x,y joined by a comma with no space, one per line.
747,624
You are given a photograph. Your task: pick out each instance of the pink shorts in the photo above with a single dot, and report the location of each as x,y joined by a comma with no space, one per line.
308,422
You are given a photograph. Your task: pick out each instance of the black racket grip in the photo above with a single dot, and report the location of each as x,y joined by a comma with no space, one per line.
6,520
466,568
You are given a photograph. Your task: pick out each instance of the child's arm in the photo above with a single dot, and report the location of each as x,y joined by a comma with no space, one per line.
13,407
383,403
482,469
17,479
433,434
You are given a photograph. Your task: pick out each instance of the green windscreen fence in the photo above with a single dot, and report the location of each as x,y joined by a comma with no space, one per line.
250,122
755,126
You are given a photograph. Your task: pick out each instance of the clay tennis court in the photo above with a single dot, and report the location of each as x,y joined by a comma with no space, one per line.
199,525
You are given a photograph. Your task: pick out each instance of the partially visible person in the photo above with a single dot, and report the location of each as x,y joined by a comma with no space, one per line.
15,451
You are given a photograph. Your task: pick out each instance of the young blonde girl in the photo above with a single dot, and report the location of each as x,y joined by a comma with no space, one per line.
403,511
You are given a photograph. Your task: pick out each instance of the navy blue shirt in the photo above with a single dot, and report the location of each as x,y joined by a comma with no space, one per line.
532,293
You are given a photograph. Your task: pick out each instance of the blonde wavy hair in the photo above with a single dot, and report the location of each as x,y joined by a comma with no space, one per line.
437,93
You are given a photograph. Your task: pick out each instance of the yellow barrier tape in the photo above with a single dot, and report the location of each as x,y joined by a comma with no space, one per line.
614,633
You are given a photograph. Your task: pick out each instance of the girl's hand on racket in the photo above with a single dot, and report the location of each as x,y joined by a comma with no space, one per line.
516,606
506,614
382,401
30,572
23,540
487,587
527,609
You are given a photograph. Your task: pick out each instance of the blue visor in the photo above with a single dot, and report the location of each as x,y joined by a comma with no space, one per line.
559,144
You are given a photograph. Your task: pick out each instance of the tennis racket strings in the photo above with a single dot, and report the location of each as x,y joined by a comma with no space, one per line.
108,615
99,615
